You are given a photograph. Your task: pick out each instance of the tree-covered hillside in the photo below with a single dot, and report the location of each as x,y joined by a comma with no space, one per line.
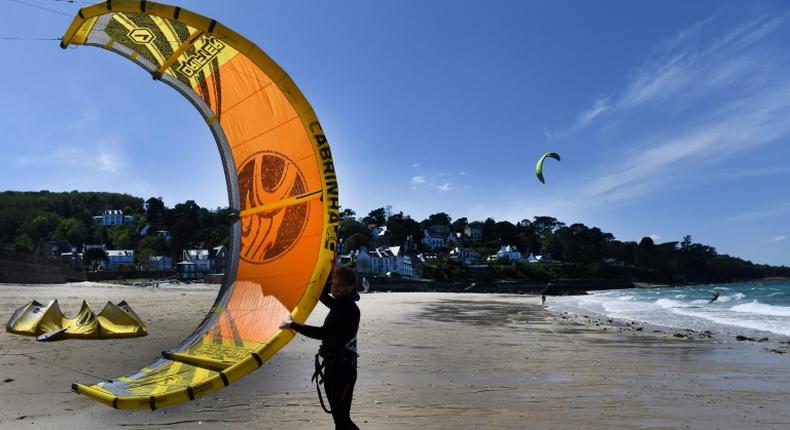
29,217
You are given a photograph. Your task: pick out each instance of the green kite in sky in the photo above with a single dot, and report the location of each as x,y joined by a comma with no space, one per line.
539,166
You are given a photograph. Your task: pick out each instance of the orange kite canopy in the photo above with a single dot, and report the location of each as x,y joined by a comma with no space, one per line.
281,182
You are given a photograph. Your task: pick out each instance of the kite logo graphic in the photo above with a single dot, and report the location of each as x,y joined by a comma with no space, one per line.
210,49
141,35
267,177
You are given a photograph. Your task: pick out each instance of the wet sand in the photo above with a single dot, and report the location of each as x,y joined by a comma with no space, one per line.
428,360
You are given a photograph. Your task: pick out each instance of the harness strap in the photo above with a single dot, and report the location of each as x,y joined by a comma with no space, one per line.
318,377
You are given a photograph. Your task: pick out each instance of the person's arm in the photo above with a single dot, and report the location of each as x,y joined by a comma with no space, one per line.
325,298
308,330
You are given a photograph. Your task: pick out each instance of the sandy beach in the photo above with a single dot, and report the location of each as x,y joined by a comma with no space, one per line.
428,360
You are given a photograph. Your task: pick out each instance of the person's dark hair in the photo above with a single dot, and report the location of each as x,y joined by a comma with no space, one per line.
346,275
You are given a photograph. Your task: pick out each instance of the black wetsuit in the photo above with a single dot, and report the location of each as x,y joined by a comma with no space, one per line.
338,338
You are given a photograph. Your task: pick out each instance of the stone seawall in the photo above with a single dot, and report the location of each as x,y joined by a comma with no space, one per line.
29,272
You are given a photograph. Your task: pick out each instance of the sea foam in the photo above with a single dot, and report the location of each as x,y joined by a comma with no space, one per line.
758,308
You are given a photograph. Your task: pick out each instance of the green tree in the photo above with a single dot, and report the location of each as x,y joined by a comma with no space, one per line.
401,227
43,226
120,236
545,225
377,217
94,255
154,209
347,214
488,230
356,241
157,244
142,258
71,229
440,218
506,232
348,229
459,225
23,243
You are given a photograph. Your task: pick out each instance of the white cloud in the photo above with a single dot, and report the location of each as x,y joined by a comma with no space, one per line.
690,64
108,161
102,157
775,239
443,187
779,209
655,237
441,181
738,124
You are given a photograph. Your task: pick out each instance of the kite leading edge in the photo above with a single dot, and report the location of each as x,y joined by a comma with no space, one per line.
539,166
280,179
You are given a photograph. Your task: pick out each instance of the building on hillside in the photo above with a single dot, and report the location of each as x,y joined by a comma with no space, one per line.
466,256
187,271
218,259
539,258
160,262
198,257
117,259
379,236
507,252
473,232
113,217
433,240
385,261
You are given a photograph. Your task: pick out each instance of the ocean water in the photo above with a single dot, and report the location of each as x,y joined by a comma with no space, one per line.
748,308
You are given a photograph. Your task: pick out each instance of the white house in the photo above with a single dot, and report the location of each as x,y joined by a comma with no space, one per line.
384,260
378,237
114,217
219,259
473,232
507,252
539,258
198,257
117,258
434,240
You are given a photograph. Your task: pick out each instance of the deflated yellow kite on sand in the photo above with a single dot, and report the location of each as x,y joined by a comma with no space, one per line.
49,323
280,179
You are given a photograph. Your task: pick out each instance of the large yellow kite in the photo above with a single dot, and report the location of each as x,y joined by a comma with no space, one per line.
281,183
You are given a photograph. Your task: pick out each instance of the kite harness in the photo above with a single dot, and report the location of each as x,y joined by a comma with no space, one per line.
347,357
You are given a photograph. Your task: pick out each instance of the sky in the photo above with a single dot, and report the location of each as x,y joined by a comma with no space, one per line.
672,118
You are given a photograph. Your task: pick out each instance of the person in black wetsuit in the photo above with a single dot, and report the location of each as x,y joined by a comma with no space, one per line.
338,338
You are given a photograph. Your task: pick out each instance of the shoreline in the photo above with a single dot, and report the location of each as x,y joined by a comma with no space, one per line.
432,360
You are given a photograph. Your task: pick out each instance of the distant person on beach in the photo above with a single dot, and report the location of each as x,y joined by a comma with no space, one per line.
715,296
338,351
543,299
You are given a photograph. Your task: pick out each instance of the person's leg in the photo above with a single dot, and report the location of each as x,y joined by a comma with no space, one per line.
339,383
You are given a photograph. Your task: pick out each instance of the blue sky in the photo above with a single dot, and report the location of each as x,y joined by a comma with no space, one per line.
672,118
